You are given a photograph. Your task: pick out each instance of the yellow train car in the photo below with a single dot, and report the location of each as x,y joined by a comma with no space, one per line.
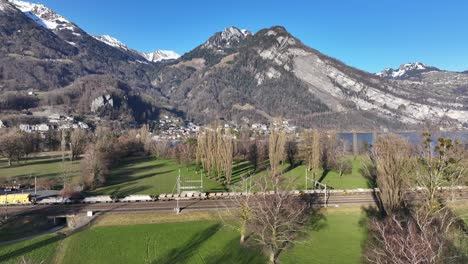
16,198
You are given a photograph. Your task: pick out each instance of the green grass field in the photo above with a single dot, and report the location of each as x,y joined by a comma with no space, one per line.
336,238
39,250
43,165
147,175
297,175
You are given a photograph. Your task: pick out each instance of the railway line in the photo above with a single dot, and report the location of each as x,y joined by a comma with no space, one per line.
333,199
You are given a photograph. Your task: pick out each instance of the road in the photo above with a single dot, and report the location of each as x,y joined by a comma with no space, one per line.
334,199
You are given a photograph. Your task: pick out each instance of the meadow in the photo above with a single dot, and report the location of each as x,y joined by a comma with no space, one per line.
148,175
335,238
41,165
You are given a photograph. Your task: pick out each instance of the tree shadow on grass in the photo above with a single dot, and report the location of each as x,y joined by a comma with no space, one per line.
241,168
181,255
125,171
129,179
324,175
233,252
42,211
123,190
25,250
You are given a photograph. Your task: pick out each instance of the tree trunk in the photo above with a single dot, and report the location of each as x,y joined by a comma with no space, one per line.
242,239
272,257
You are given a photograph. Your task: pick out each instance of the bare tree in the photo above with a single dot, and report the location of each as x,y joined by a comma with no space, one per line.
95,166
184,152
276,218
316,154
344,166
78,140
215,150
45,183
306,148
393,159
253,155
291,152
227,151
63,143
240,216
276,149
11,145
159,148
416,238
330,153
243,144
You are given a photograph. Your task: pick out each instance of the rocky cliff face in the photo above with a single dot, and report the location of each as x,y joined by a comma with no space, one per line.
235,75
272,74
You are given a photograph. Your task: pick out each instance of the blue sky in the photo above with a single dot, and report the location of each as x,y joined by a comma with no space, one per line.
368,34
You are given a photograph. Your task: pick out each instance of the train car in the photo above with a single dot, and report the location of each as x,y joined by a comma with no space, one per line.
54,200
136,198
98,199
16,198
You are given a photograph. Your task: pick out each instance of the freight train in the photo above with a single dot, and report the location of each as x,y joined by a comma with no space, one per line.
28,199
16,198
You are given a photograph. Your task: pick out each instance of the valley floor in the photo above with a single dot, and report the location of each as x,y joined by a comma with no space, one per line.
148,175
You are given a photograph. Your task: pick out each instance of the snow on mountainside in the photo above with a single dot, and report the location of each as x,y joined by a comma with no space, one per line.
228,38
160,55
4,5
407,70
111,41
47,18
43,15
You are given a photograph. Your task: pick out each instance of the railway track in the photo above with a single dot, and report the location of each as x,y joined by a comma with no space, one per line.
333,199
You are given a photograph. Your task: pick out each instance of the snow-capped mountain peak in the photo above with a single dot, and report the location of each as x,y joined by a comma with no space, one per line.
43,15
111,41
406,70
227,38
4,5
160,55
155,56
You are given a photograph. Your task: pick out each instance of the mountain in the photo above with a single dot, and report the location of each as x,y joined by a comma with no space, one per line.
234,75
111,41
43,51
161,55
273,74
432,82
155,56
43,16
220,44
407,71
231,37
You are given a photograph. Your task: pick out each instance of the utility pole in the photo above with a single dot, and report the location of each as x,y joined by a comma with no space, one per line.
355,143
6,206
177,209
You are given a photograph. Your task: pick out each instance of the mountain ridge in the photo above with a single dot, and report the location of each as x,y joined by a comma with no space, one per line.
234,75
